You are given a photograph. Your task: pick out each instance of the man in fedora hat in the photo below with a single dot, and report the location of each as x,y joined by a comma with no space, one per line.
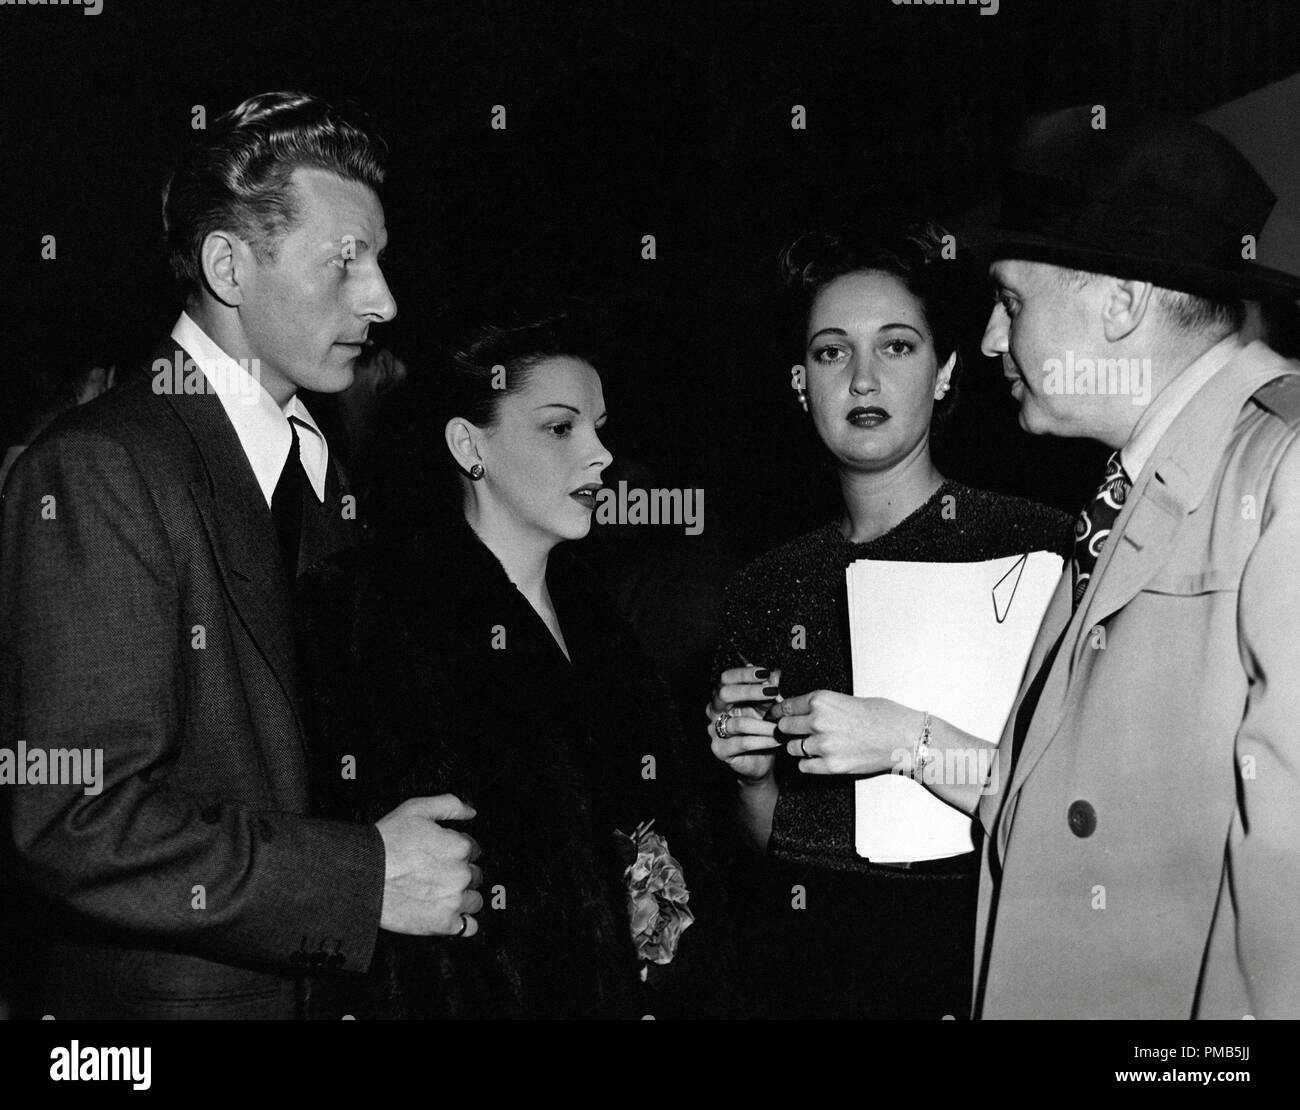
1142,858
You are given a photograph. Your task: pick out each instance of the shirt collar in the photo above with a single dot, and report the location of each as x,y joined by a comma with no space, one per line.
1166,405
261,425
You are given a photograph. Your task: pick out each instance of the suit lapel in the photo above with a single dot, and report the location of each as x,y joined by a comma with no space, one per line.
240,530
1172,485
1053,627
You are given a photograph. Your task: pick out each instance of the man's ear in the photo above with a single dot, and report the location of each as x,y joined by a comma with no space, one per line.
224,259
1124,306
462,441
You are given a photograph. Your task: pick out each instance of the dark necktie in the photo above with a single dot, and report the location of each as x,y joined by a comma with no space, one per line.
1092,529
286,507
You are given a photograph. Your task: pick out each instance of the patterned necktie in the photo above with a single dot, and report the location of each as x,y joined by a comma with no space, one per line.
1093,527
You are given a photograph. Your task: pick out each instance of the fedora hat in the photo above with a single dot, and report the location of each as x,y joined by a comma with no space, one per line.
1149,195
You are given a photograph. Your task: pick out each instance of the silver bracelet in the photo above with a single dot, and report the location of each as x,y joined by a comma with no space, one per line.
921,754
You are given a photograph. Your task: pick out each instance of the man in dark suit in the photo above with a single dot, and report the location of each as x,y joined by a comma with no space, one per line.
149,548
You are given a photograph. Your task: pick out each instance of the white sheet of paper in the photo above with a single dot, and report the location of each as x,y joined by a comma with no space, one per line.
928,635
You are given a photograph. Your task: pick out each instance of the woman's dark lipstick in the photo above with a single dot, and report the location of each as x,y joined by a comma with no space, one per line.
869,417
586,495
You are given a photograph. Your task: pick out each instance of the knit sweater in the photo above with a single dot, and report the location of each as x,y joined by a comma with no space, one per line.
788,610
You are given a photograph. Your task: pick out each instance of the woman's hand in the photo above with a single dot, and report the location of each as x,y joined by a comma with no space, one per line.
749,743
842,735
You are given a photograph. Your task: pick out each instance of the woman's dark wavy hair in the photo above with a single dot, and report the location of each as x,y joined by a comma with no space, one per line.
466,381
469,382
235,175
920,253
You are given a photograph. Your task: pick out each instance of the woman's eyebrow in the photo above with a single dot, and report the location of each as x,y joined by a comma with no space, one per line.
909,327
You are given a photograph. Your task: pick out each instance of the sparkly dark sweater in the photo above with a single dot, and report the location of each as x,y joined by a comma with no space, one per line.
800,585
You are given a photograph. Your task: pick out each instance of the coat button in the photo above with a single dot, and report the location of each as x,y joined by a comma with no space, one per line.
1082,818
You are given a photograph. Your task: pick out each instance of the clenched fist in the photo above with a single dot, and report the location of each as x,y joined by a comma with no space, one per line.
429,873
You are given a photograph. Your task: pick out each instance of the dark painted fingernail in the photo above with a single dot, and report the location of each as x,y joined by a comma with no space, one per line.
761,673
771,691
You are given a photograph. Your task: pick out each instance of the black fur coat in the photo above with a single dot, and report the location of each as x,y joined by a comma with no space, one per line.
457,686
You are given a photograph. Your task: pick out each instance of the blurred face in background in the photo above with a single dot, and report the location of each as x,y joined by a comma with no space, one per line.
98,379
377,372
872,371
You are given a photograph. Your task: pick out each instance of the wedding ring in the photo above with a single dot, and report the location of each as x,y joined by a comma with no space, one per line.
464,924
803,747
720,724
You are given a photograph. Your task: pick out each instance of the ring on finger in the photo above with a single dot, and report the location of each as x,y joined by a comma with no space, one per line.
803,747
720,724
464,924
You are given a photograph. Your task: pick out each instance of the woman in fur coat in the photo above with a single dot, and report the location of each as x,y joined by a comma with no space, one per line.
492,667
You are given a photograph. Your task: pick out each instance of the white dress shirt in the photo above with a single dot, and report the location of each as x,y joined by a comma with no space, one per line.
261,425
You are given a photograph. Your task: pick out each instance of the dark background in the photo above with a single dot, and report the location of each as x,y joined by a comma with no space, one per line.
623,120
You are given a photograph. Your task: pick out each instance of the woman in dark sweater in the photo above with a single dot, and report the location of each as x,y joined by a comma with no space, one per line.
837,935
493,668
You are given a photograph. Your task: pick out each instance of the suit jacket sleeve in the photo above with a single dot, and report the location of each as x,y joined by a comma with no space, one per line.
91,657
1263,858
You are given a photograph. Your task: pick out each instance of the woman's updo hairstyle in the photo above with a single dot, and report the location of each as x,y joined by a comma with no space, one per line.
920,253
486,357
494,360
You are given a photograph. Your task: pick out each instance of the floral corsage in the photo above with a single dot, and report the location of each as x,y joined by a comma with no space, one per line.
656,895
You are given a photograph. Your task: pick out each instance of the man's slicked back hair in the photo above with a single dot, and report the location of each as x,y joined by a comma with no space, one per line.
235,176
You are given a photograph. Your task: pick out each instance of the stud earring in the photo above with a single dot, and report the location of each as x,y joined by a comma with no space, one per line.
476,472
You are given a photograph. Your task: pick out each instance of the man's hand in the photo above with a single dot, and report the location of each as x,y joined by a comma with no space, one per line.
429,876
